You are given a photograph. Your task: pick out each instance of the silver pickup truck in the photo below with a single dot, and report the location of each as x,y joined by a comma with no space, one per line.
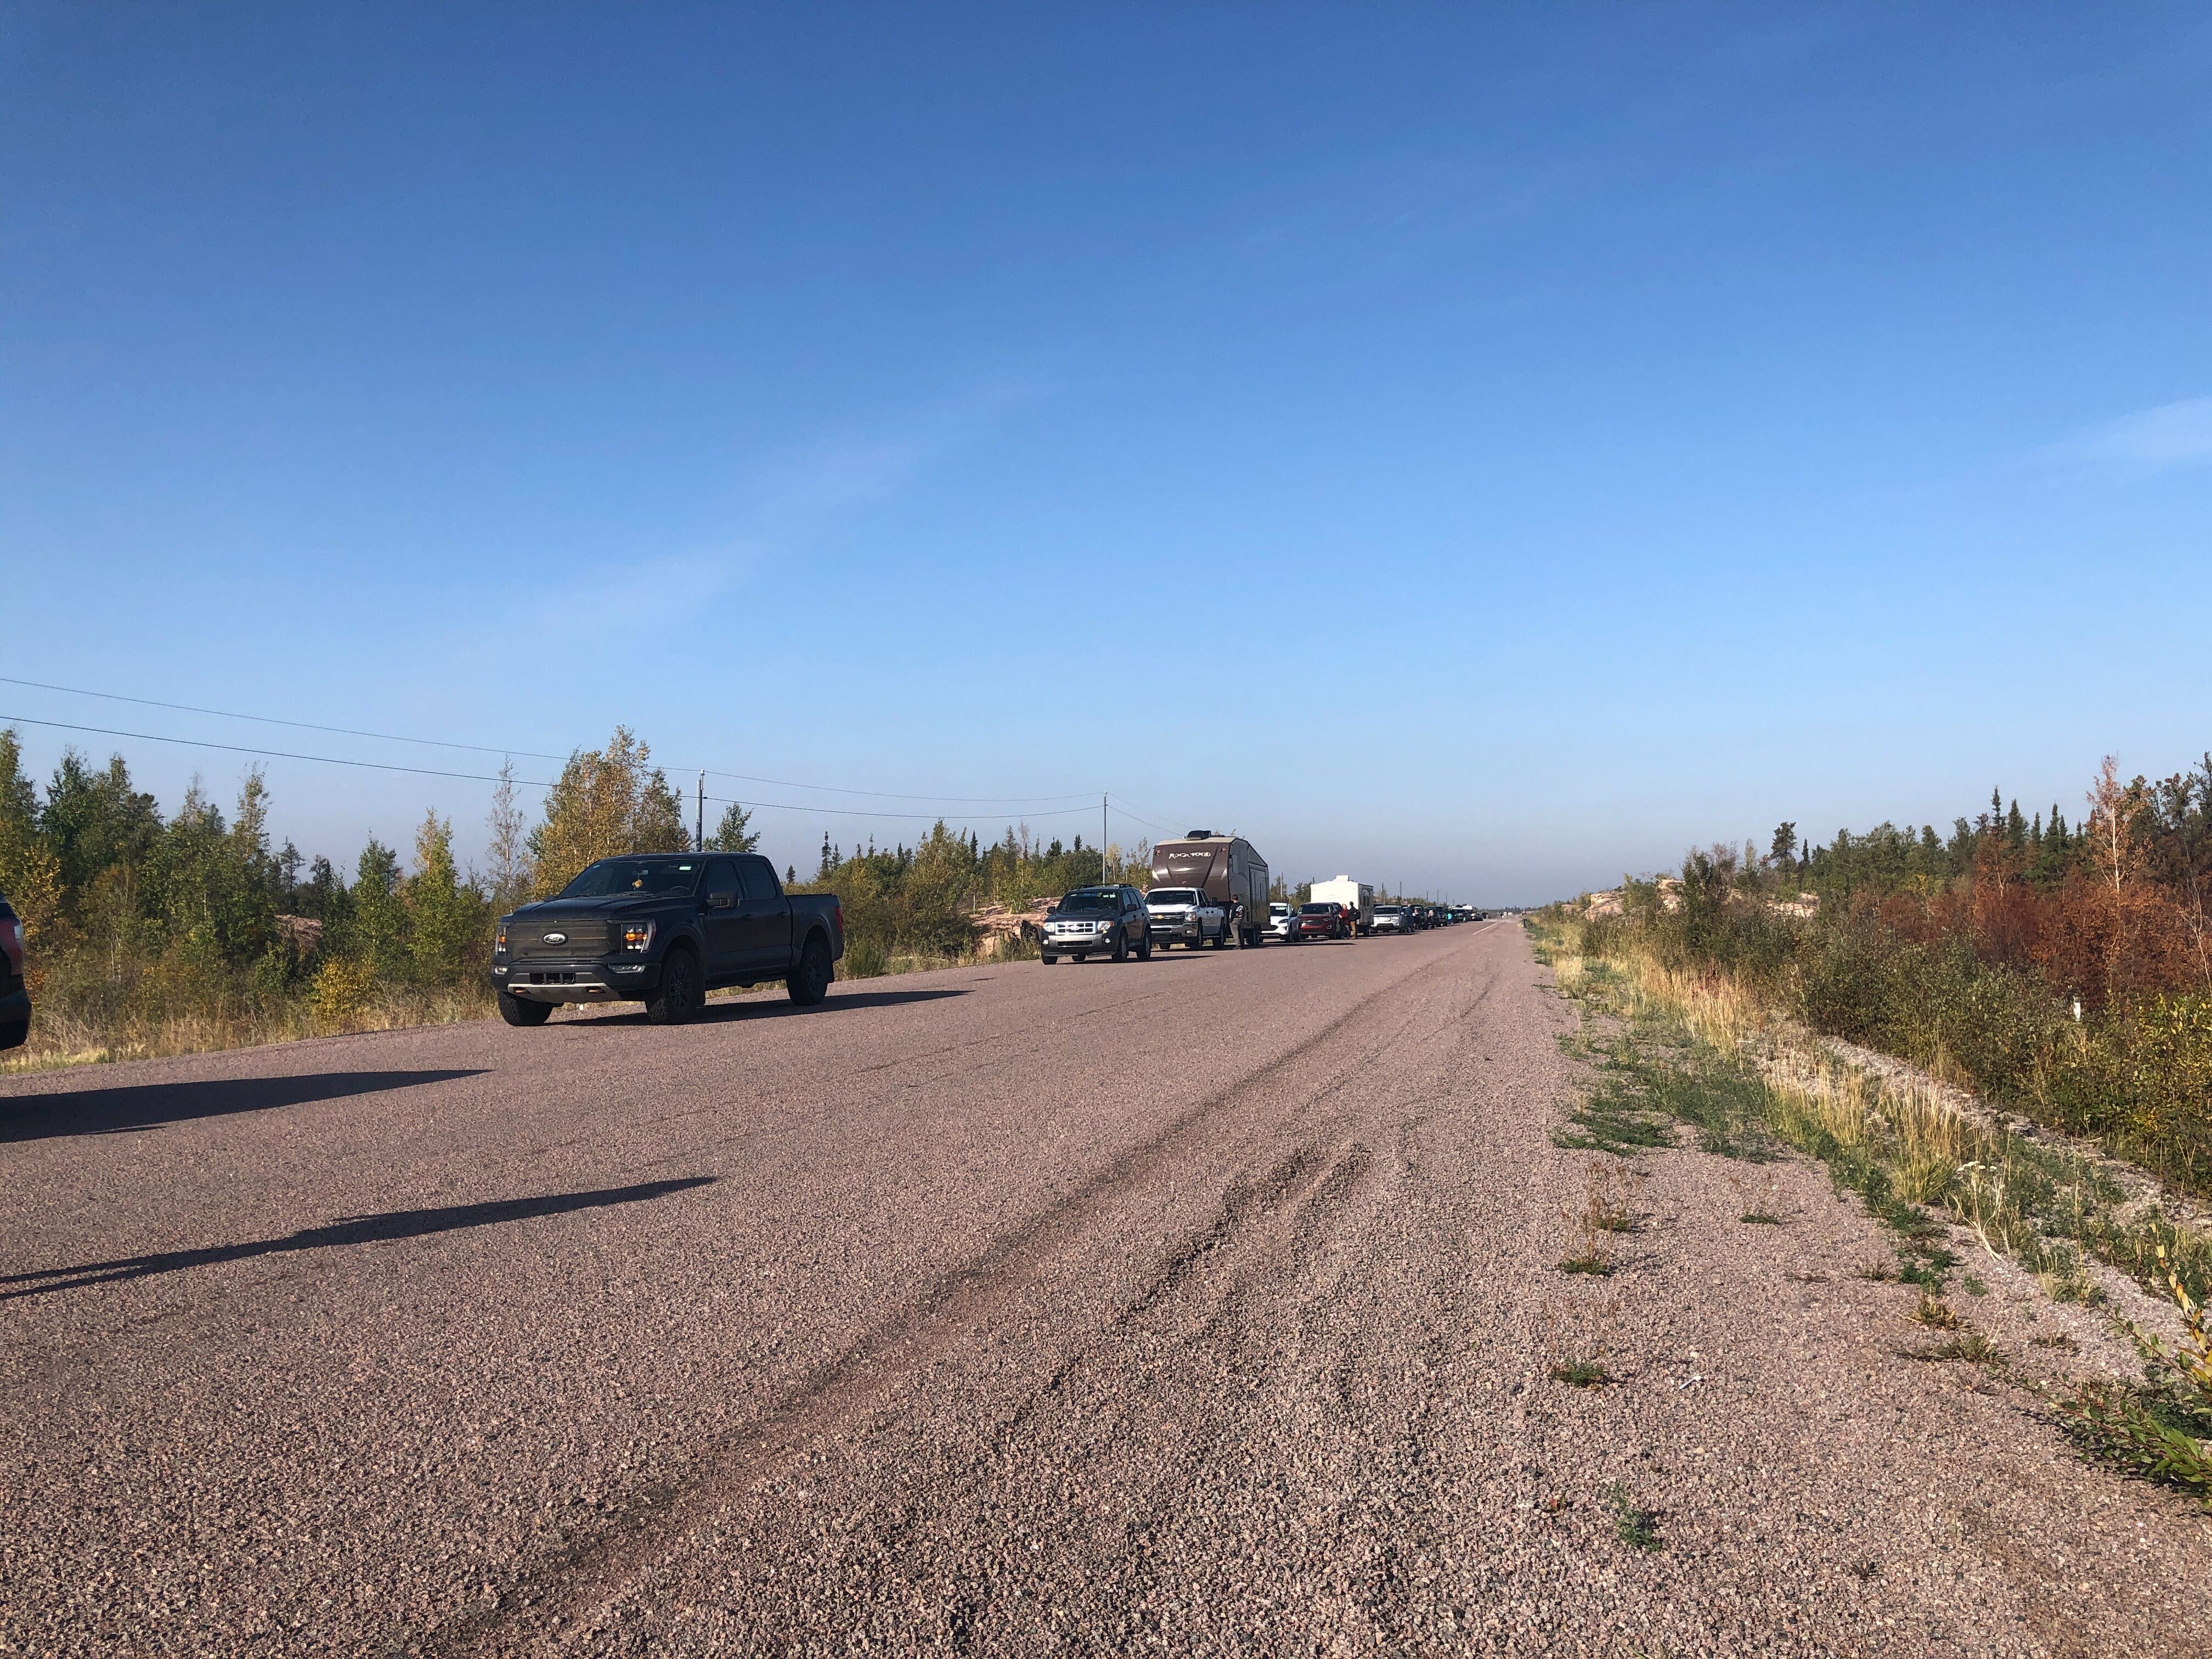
1184,916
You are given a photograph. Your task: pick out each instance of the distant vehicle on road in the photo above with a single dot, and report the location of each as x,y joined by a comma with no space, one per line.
1321,919
1391,918
664,929
14,997
1227,869
1098,922
1278,920
1186,916
1356,898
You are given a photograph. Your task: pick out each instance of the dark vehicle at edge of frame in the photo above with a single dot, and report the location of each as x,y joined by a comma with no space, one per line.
15,995
664,929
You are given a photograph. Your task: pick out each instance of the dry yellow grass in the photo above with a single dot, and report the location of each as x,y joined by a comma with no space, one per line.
57,1039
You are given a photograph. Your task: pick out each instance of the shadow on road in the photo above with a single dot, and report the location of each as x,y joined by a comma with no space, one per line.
148,1105
347,1229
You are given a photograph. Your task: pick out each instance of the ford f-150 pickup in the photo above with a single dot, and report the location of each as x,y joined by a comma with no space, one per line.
664,929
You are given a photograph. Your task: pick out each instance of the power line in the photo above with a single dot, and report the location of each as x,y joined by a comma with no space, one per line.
1122,807
274,754
473,777
1003,801
856,812
264,719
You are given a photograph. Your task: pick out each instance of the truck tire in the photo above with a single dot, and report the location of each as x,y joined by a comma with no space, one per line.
520,1011
1145,946
678,997
1121,945
1047,958
809,982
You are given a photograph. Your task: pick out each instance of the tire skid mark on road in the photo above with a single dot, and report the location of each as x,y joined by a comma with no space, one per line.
860,1378
1278,1215
1265,1312
1010,1036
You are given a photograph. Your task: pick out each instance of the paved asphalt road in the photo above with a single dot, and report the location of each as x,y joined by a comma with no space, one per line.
1201,1305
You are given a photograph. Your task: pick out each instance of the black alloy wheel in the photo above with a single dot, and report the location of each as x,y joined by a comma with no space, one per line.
520,1011
809,982
678,998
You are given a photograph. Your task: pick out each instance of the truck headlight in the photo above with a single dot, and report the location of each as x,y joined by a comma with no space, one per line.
637,936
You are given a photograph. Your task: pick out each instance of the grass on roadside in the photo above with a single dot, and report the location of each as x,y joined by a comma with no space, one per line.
1677,1051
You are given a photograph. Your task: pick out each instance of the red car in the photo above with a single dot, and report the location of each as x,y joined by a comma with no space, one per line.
1321,921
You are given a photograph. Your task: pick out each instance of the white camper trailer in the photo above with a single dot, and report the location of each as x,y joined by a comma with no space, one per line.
1357,896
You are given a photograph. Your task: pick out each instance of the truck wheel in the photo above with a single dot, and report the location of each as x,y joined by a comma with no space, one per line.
809,982
677,998
1144,947
1121,946
517,1011
1048,960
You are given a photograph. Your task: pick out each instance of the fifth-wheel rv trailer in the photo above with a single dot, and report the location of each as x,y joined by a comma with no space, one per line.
1356,896
1226,869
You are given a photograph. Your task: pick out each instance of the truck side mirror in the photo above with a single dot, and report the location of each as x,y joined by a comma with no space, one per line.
720,901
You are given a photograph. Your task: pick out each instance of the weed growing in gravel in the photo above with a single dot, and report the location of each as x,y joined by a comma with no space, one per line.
1587,1373
1639,1528
1590,1260
2160,1429
1934,1313
1606,1191
1964,1344
1759,1218
2059,1339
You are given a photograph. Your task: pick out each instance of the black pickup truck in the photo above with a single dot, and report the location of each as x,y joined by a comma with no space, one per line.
664,929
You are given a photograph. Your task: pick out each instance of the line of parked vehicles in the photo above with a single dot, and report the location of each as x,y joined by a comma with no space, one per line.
1211,891
666,928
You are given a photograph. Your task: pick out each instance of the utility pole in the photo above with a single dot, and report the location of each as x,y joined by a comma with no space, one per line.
701,845
1101,838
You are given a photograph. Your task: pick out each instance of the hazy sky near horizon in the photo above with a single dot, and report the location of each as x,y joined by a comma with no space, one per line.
1480,448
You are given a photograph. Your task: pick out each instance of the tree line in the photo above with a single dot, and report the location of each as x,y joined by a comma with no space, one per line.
2063,969
151,932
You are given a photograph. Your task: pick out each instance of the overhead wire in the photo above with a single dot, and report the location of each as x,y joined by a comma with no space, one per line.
475,777
1003,801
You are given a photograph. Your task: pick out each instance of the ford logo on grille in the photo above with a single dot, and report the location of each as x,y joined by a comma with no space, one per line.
557,939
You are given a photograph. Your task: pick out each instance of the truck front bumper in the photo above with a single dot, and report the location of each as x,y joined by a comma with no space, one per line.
577,981
1188,928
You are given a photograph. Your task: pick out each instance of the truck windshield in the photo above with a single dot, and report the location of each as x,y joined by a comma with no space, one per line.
621,878
1089,904
1172,896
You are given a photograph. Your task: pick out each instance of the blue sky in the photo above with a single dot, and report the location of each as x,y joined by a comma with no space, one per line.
1483,448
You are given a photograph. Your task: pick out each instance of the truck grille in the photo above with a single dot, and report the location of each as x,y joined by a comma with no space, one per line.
586,938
